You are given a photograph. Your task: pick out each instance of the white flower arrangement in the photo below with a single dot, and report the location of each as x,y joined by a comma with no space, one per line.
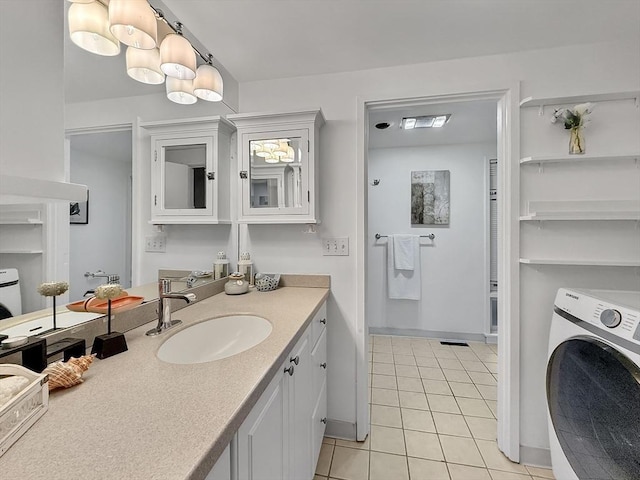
573,117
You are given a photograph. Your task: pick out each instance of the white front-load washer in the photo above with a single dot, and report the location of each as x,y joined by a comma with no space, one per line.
593,385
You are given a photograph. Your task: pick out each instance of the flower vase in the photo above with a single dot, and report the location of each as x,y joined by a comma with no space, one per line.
576,141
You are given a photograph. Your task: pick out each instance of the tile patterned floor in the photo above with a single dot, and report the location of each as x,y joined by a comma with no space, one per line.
433,417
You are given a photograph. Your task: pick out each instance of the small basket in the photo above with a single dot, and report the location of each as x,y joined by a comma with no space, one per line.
268,282
24,409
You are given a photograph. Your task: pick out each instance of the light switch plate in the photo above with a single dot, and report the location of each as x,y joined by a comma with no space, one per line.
155,243
335,246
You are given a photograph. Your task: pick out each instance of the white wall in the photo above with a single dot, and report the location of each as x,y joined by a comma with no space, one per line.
555,72
453,265
32,89
102,244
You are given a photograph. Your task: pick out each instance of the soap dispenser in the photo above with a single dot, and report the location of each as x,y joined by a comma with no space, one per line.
245,266
220,266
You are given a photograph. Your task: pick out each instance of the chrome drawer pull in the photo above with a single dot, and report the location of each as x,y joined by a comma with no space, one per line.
295,359
289,370
324,365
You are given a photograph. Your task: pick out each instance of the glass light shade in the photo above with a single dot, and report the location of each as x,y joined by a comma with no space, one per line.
271,144
208,84
177,58
271,159
144,65
180,91
89,29
281,151
133,22
289,157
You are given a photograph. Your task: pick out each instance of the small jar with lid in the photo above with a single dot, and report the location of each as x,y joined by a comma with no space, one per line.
220,266
245,266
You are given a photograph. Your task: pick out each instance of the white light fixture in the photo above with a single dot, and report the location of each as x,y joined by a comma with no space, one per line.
289,157
133,22
144,65
270,144
180,91
208,82
424,121
281,151
89,29
271,159
177,58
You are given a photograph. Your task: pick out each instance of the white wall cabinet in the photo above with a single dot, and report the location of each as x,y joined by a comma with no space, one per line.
281,436
278,166
190,168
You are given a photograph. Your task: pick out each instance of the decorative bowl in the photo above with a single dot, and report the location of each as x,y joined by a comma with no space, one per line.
267,282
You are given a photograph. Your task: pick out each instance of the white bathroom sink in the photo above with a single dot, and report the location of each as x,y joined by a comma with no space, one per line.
215,339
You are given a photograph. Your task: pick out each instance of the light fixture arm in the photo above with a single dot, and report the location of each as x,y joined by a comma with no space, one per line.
177,28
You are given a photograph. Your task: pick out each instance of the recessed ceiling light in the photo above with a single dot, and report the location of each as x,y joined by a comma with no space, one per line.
424,121
382,125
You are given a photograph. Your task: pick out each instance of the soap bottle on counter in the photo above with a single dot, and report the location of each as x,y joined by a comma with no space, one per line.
220,266
245,266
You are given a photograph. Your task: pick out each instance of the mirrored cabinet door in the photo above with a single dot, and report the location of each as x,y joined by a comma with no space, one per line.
190,168
278,166
185,169
277,179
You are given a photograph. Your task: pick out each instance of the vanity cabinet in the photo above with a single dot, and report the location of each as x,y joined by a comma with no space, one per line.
280,438
190,170
278,166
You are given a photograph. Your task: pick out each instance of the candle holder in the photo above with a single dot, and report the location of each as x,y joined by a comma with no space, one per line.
111,343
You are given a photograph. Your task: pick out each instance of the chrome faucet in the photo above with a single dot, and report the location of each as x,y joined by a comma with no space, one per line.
164,306
111,277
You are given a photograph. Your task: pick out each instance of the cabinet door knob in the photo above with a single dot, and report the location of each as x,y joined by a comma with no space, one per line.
323,321
295,359
323,365
211,176
243,174
324,420
289,370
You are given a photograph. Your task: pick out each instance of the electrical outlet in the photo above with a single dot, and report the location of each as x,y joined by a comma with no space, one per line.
335,246
155,243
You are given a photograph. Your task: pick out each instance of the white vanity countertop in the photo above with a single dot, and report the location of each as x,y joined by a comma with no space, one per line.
136,417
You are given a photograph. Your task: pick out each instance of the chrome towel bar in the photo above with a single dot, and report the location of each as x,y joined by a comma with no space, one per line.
431,236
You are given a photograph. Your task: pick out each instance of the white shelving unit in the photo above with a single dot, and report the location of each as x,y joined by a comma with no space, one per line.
587,209
586,263
595,97
578,159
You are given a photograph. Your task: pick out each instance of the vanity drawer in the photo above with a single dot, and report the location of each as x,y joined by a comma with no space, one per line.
319,363
318,324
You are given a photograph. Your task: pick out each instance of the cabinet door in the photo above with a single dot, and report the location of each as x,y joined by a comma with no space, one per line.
262,437
184,177
318,425
300,410
277,173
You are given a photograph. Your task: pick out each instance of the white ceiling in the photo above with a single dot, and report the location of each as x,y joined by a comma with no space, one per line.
470,122
265,39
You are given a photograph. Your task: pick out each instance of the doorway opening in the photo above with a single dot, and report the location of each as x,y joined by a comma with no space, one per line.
100,230
461,242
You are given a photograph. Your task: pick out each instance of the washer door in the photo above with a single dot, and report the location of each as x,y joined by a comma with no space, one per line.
593,392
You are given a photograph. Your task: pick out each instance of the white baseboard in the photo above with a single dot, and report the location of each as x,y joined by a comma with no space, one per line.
534,456
341,429
491,338
413,332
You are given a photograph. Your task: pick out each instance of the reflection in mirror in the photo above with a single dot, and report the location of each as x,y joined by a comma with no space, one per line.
185,176
276,176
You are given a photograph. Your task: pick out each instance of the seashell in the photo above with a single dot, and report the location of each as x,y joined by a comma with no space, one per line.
83,363
109,291
53,289
67,374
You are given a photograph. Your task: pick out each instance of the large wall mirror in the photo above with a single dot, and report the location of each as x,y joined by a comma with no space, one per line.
185,170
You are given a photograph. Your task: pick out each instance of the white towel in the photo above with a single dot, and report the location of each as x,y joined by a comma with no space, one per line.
403,251
404,284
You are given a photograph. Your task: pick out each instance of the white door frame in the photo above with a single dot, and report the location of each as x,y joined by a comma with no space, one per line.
507,98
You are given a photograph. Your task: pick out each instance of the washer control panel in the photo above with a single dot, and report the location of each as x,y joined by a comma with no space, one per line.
613,311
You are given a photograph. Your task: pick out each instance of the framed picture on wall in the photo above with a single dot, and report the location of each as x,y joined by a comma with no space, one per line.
430,197
79,212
